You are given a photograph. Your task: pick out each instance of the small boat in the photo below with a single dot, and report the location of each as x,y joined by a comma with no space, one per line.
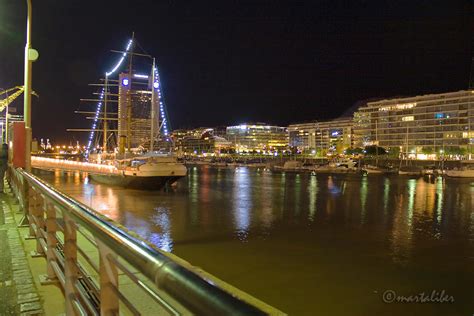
431,171
257,165
343,163
465,171
410,171
369,169
291,165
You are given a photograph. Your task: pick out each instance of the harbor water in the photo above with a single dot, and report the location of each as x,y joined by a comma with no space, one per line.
310,245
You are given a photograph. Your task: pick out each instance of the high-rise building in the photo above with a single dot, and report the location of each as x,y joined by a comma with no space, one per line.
134,111
419,126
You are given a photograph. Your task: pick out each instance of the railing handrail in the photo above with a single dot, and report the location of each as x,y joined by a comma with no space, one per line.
195,289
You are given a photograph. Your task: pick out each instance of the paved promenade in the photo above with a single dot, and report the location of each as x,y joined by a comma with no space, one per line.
18,292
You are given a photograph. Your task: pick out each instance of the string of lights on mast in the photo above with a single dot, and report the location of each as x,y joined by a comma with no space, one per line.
156,85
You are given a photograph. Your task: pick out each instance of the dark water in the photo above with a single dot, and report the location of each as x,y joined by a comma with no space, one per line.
325,245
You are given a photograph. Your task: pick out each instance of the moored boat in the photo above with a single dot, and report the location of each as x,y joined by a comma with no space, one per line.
369,169
409,171
465,171
143,172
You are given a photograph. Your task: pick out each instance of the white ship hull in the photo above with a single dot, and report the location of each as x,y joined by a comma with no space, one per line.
148,173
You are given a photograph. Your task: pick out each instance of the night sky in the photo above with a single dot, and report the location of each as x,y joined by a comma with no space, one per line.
229,62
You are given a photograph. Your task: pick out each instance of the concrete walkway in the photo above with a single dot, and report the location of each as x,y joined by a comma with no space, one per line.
18,294
20,291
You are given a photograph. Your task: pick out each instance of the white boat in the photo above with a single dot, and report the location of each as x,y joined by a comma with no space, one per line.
343,163
466,171
409,171
291,165
431,171
372,170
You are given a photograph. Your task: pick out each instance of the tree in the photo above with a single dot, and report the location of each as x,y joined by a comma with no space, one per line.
354,151
455,151
427,150
375,150
394,152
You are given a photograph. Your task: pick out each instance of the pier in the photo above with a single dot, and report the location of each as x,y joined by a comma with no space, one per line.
69,165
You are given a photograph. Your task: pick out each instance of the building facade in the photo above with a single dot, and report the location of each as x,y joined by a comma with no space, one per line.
134,111
418,127
257,137
322,137
200,141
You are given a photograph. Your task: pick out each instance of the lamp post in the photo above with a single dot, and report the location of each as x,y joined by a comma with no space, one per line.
6,122
30,56
5,140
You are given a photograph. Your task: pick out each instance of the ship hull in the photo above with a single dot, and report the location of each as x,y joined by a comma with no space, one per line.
135,182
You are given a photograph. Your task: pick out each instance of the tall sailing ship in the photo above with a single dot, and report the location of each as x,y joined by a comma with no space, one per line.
130,130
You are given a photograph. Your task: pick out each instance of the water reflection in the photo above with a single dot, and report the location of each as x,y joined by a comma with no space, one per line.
332,229
363,199
242,202
162,220
386,195
313,193
265,189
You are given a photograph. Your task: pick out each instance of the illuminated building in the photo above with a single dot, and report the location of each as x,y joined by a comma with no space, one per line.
134,111
322,137
421,127
199,141
246,137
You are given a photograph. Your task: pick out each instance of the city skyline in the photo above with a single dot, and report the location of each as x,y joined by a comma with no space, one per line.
240,62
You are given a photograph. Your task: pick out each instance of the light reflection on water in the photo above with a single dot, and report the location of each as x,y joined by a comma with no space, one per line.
242,202
289,238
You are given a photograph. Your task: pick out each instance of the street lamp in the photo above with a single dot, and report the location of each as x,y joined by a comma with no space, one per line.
31,55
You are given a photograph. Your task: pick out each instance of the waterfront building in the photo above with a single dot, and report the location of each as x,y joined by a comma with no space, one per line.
199,141
257,137
322,137
422,127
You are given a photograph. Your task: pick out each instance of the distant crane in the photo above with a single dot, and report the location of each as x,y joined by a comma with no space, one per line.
10,98
7,100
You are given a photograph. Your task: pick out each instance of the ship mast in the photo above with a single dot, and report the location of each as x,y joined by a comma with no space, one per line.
152,107
129,99
106,91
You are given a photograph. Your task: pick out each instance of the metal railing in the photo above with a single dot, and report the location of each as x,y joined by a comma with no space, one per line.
104,269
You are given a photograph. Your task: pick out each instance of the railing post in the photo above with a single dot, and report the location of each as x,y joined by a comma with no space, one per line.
51,240
13,182
109,301
37,214
27,206
70,263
